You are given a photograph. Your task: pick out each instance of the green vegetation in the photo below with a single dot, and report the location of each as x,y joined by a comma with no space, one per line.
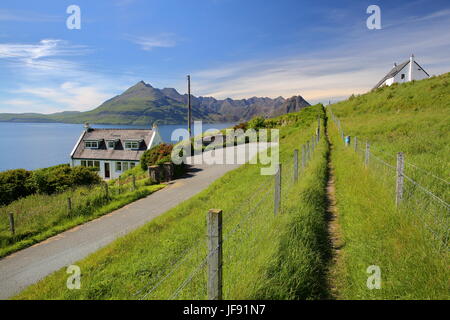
407,243
157,155
40,216
256,241
19,183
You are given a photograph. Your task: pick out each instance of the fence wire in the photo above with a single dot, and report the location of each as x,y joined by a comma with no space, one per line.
432,210
242,231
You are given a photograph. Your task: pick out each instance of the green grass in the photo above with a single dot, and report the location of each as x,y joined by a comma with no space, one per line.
38,217
413,118
407,243
256,241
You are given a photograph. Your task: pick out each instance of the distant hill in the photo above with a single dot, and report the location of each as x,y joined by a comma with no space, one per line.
143,104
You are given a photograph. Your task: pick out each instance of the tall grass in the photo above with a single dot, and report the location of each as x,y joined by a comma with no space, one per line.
408,243
40,216
413,118
155,261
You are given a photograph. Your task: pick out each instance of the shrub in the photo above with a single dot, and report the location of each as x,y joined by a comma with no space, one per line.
62,177
82,176
14,184
257,123
156,155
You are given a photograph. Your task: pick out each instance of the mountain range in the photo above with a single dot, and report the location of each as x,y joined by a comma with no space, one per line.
143,104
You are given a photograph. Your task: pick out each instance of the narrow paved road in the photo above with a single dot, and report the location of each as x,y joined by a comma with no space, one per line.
30,265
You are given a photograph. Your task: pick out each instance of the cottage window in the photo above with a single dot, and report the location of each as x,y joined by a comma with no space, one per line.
91,144
125,166
83,163
132,165
111,144
90,164
131,145
118,166
403,76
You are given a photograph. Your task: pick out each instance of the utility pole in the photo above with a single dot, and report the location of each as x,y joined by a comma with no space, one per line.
189,106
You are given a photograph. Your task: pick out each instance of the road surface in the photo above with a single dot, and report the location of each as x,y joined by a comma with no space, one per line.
30,265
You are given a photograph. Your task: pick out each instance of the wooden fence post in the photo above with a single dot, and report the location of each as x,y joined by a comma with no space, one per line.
69,205
215,255
356,144
400,179
134,182
12,227
277,197
106,190
295,165
367,159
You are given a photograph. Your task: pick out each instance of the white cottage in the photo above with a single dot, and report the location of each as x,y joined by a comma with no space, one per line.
113,151
404,72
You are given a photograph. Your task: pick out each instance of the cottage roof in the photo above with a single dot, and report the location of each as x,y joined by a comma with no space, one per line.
395,70
144,136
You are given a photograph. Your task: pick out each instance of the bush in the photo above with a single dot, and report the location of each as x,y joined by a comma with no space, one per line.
156,155
14,184
82,176
62,177
257,123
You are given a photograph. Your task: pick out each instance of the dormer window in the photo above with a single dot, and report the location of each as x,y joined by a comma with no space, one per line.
91,144
111,144
133,145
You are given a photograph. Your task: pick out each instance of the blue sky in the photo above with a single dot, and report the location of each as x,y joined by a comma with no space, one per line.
321,50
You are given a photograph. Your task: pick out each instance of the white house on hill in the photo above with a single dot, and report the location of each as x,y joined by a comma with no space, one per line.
404,72
113,151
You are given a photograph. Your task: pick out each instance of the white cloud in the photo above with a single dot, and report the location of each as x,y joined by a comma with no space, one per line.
148,43
42,78
71,95
362,59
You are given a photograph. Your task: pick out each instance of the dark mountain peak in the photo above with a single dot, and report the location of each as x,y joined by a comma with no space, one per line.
293,104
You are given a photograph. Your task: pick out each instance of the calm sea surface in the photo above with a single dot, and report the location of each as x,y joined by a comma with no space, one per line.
39,145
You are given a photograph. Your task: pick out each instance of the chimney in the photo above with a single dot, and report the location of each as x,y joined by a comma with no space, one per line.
395,64
87,127
411,65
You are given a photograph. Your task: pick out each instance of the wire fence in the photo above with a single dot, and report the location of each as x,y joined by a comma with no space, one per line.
412,197
190,269
40,212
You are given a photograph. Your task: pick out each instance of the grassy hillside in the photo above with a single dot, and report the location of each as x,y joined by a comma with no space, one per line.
413,118
154,261
39,216
408,243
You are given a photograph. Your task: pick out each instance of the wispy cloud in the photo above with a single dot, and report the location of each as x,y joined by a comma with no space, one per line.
71,95
26,16
148,43
29,53
42,70
355,66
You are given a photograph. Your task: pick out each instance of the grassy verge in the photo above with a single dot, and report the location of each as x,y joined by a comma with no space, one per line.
154,261
297,269
39,217
376,233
